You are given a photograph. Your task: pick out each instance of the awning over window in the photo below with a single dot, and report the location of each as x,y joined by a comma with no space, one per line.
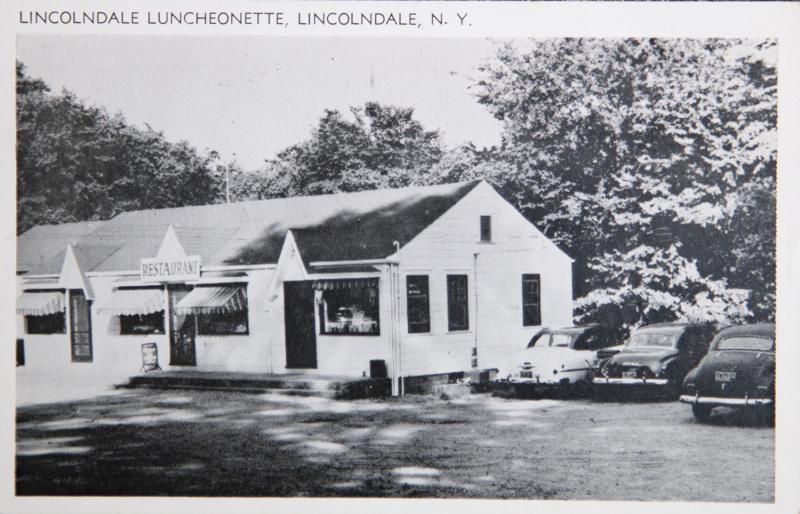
132,302
213,300
40,304
346,283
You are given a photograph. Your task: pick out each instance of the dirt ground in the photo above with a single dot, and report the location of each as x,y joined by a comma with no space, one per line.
192,443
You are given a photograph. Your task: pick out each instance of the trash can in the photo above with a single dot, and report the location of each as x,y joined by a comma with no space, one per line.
377,369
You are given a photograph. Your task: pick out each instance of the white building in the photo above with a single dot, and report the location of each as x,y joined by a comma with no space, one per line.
414,281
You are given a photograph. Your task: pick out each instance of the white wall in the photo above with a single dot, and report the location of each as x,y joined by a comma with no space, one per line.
447,247
116,355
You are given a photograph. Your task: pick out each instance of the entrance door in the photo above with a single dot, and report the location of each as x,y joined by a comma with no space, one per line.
80,326
301,339
182,331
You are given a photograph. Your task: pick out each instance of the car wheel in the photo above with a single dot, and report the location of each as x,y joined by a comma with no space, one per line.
582,389
701,412
766,416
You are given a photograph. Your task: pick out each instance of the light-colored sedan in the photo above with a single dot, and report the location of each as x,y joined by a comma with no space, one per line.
562,358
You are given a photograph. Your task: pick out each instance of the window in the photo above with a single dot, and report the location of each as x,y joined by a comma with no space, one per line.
350,307
223,323
531,300
142,324
486,229
48,324
419,315
457,303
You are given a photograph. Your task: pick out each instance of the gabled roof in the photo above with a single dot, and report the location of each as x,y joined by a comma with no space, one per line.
42,243
335,227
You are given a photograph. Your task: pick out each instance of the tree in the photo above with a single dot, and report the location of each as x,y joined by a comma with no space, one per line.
381,146
640,158
76,162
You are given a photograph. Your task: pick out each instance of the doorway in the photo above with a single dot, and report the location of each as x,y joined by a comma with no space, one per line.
183,330
80,326
301,338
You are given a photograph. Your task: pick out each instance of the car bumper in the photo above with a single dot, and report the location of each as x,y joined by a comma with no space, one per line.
534,382
630,381
715,400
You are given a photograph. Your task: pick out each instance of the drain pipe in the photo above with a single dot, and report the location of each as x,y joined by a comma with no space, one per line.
477,318
397,351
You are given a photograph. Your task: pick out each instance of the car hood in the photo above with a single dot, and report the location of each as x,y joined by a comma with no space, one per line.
647,357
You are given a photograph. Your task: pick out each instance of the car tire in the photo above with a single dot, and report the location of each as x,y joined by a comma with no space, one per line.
701,412
766,416
582,389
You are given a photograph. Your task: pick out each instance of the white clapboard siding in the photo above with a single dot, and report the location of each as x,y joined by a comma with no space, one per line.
447,247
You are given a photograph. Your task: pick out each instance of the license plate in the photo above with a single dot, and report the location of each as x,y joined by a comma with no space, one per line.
725,376
526,374
629,374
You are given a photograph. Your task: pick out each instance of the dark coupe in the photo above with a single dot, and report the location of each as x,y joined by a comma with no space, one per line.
656,358
739,371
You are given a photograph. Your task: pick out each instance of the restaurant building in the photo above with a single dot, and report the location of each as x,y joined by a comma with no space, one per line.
403,282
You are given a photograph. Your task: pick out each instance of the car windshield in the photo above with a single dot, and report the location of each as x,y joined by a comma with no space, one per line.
562,340
660,340
745,343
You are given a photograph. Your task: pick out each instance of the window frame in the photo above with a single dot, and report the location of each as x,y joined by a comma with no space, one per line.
61,331
427,323
201,329
123,324
536,321
486,228
322,321
451,306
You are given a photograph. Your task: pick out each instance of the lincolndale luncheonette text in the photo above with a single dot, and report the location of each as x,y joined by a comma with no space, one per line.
334,18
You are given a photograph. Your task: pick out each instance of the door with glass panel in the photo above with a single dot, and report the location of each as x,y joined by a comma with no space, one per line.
183,328
80,326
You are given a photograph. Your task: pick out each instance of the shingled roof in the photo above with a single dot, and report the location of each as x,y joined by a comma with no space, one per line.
40,244
335,227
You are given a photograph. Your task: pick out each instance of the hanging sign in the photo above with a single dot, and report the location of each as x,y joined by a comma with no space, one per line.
150,357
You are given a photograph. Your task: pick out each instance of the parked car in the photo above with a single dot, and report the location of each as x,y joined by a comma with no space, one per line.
738,371
561,357
656,358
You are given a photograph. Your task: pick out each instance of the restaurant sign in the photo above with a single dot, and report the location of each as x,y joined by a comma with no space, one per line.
170,270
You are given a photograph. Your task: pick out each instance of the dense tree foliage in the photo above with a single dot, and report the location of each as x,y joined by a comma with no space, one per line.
376,146
76,162
653,163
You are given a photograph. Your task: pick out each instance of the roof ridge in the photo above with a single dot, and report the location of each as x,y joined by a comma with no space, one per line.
291,198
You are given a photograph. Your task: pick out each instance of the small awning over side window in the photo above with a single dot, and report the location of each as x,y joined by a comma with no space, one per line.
132,302
346,283
40,303
213,300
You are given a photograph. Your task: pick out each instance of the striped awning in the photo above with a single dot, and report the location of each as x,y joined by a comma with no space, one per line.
346,283
213,300
132,302
40,303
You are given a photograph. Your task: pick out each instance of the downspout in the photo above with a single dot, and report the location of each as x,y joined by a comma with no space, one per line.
477,314
397,351
167,325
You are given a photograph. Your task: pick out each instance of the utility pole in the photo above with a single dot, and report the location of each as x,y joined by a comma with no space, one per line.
228,184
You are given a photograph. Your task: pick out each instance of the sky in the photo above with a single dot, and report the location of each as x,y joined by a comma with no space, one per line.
250,97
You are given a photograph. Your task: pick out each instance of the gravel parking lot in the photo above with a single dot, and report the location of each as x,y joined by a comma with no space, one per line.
144,442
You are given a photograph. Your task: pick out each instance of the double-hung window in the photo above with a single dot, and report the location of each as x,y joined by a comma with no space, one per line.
418,302
531,300
457,303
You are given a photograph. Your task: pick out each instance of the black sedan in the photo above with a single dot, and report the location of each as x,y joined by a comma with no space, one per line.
655,359
739,371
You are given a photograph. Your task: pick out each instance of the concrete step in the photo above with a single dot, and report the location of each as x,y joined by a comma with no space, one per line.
256,383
